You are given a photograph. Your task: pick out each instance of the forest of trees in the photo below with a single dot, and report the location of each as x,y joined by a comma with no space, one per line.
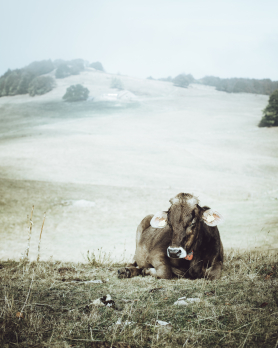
35,80
18,81
30,80
241,85
231,85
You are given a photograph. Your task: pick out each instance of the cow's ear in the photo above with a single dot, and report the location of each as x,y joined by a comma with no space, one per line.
212,217
159,219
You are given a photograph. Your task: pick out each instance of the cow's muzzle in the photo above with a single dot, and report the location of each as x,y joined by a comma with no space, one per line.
176,253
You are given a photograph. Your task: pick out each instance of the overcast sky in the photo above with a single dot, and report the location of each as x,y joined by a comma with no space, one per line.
226,38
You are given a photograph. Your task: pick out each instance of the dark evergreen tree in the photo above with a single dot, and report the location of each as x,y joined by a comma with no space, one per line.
270,118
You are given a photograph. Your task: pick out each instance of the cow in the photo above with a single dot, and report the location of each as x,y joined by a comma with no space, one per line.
183,241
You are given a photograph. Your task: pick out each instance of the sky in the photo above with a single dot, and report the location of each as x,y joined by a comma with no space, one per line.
158,38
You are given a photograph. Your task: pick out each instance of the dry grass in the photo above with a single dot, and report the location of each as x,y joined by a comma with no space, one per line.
239,310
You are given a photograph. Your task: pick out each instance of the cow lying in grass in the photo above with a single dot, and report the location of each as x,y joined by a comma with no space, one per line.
184,241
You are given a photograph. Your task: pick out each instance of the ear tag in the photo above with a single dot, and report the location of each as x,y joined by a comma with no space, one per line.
210,218
162,222
159,220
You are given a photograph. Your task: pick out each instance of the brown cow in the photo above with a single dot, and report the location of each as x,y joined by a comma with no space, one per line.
184,241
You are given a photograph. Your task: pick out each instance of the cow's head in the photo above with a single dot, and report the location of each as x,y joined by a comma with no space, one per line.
184,218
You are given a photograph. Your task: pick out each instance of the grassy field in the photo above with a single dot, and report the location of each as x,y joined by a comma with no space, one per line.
50,304
98,167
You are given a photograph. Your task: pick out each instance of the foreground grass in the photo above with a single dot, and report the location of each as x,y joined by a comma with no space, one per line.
49,304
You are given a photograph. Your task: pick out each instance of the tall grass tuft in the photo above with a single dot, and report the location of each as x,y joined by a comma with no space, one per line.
30,227
101,258
39,245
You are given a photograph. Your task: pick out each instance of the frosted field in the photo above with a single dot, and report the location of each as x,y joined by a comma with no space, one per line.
98,167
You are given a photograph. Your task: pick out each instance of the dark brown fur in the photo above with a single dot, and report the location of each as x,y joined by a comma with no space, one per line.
185,229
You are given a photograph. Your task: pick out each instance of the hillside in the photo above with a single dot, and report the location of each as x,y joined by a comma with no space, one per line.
98,167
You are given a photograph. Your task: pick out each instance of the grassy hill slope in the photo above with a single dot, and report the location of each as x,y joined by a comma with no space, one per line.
98,167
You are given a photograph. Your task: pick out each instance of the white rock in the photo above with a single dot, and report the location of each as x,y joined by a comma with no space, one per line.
182,298
183,301
119,322
97,281
162,323
190,300
108,298
98,302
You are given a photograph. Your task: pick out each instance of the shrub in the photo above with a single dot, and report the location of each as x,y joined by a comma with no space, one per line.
270,117
183,80
97,65
41,85
76,93
116,83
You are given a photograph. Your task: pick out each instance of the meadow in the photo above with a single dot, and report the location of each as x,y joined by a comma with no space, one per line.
95,169
53,304
98,167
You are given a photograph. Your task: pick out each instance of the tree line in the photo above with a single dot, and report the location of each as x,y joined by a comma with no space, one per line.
31,79
34,79
240,85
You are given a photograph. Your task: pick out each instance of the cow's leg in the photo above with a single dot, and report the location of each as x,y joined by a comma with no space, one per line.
129,272
132,264
214,272
161,267
149,271
196,269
